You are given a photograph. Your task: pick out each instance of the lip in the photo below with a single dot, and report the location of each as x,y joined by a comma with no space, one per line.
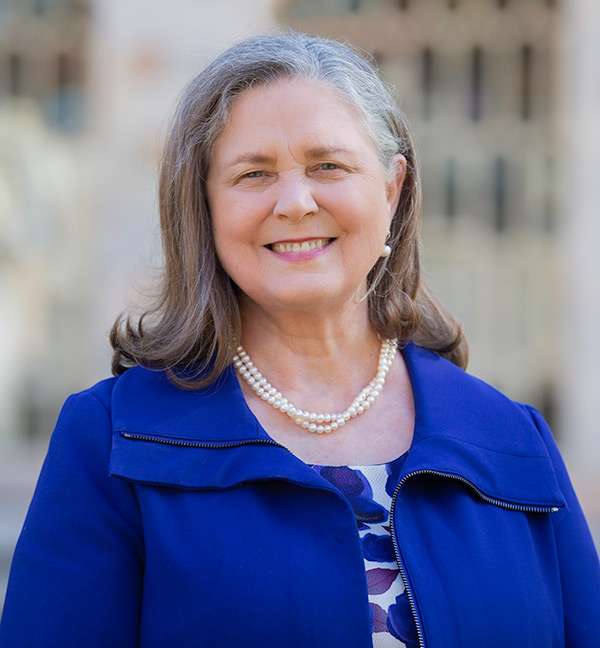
300,249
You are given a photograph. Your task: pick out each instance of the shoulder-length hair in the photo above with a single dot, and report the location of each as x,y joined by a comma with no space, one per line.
194,326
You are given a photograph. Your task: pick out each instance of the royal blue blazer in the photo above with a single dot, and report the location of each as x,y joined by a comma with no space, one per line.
169,518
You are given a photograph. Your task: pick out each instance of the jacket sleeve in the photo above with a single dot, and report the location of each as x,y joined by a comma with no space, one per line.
579,566
77,569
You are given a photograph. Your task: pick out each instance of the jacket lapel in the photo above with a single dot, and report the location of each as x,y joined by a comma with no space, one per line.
465,428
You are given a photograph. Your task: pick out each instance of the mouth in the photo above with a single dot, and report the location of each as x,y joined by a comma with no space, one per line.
299,246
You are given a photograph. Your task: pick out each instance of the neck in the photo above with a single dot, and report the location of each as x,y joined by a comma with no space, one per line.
307,334
318,358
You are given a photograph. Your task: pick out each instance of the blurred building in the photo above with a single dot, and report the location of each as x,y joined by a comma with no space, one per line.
44,207
503,95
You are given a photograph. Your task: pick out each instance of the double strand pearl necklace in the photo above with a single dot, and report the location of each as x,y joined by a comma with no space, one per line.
312,421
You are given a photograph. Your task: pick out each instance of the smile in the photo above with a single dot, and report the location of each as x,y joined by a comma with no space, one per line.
295,246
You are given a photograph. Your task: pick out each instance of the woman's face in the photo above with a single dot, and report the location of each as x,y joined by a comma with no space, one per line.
299,201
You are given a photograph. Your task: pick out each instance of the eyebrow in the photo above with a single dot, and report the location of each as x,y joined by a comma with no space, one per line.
326,151
252,158
316,152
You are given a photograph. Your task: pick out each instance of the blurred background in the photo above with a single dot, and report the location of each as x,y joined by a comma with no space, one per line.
504,96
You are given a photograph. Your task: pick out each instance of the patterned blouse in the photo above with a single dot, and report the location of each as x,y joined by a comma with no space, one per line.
369,490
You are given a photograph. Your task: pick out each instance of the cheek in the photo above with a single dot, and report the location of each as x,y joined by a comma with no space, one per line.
236,219
225,235
231,261
369,218
234,237
229,226
364,200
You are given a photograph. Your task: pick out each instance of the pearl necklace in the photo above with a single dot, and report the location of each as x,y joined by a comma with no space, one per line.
312,421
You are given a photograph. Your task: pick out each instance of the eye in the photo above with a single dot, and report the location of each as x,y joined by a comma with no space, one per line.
328,166
253,174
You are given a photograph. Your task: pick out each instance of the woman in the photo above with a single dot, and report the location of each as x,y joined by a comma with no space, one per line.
236,483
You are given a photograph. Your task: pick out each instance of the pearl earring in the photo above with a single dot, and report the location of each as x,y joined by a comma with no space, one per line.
386,250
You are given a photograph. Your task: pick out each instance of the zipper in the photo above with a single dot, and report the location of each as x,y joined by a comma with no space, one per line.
411,598
199,444
228,444
485,498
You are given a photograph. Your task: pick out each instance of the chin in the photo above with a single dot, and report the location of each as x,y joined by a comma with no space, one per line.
308,298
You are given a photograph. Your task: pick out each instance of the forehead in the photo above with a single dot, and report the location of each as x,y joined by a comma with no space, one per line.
312,88
294,109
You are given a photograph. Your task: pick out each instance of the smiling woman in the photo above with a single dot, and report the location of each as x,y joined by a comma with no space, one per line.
368,492
195,325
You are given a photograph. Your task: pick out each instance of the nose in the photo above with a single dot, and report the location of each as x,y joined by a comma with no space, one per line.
295,199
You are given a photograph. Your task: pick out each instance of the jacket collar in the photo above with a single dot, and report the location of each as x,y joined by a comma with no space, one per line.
463,428
467,429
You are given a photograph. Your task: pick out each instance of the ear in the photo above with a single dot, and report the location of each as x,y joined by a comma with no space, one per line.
394,184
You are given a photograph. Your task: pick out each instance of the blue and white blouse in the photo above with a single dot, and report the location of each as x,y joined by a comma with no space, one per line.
369,490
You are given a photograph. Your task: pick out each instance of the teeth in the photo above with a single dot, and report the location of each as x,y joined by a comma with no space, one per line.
305,246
